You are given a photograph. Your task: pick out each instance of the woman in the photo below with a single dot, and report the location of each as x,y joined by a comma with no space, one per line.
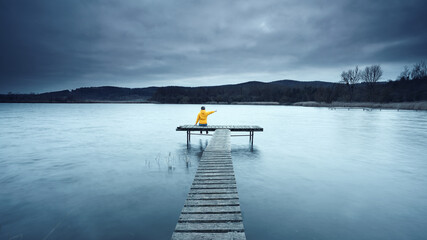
202,118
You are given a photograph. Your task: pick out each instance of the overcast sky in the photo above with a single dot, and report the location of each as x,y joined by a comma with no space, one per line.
65,44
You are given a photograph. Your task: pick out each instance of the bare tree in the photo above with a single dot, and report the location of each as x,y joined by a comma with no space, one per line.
370,76
405,74
351,78
419,71
345,78
354,75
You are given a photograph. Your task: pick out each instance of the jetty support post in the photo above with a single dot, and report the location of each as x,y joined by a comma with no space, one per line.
188,137
251,139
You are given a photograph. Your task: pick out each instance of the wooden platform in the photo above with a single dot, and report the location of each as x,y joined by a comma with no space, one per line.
212,209
233,128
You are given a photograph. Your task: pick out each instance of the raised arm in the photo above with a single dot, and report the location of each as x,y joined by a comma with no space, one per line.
209,113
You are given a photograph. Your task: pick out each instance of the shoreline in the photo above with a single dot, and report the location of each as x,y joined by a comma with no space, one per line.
419,105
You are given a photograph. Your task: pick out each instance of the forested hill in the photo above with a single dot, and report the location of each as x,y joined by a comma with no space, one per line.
288,91
284,91
87,94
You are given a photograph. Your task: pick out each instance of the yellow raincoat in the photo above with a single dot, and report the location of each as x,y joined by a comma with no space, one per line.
202,117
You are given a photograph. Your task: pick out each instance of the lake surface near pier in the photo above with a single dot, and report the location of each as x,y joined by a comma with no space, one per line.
118,171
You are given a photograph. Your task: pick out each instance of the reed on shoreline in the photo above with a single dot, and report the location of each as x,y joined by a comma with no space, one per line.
421,105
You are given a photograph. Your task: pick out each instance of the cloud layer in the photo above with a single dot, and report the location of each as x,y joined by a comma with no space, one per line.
48,45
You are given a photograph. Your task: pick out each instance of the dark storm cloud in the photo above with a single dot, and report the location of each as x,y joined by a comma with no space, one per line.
48,45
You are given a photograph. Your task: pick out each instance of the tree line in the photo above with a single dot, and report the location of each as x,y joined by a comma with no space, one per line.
355,85
364,85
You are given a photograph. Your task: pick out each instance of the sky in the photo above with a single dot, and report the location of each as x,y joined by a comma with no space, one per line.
50,45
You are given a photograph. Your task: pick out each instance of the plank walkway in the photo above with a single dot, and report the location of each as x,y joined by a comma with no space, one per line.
212,208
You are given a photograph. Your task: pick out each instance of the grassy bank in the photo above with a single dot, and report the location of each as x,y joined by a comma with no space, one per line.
422,105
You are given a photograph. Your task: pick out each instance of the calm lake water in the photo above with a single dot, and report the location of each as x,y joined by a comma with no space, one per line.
118,171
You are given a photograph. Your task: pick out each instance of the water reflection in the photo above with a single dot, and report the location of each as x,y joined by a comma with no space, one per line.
202,146
245,151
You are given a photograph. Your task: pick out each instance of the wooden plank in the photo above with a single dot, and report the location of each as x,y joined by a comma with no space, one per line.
206,182
207,175
207,155
223,174
213,155
215,175
215,158
211,172
224,164
212,203
212,196
212,191
218,169
211,217
216,162
223,183
215,171
208,236
216,165
221,209
205,178
209,227
221,164
214,186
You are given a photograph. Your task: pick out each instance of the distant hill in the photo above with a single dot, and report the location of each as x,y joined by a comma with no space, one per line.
296,84
283,91
87,94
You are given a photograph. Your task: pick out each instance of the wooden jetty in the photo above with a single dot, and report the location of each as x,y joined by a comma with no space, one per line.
232,128
212,208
